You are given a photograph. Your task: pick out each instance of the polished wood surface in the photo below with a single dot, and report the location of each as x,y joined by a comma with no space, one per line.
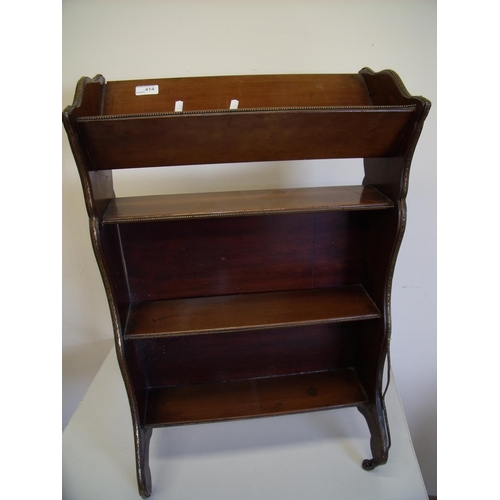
246,354
254,303
252,398
192,139
225,204
298,117
252,91
233,255
248,311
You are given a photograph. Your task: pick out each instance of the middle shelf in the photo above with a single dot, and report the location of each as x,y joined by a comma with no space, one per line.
232,313
237,203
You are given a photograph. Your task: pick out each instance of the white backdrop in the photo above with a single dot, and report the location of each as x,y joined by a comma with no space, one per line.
146,39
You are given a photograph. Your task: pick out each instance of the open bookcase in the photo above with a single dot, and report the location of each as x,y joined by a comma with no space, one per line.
253,303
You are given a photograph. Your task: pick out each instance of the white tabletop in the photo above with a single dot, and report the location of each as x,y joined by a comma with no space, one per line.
312,456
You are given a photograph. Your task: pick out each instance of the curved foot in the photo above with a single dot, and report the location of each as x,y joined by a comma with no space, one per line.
368,464
380,440
142,438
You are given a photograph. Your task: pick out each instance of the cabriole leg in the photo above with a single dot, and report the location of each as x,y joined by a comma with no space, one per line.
380,440
142,438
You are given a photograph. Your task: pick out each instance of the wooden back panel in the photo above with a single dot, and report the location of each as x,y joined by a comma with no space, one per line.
202,257
242,355
254,91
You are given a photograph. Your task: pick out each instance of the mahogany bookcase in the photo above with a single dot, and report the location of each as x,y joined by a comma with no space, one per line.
252,303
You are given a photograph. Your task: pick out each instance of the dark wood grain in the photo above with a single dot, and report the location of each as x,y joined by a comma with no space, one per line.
222,256
252,398
197,359
248,311
238,203
201,257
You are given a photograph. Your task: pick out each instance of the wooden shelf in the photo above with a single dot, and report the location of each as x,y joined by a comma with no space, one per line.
237,203
231,313
238,399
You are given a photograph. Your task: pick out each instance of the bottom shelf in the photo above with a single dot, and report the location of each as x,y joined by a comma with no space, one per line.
189,404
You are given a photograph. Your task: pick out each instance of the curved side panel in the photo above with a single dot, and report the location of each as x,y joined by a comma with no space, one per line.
98,191
97,186
89,97
106,249
387,87
390,175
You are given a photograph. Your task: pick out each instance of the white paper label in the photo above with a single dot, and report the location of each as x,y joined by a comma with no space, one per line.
234,104
178,106
146,90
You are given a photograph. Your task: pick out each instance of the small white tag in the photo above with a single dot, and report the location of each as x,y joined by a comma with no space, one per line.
178,106
234,104
146,90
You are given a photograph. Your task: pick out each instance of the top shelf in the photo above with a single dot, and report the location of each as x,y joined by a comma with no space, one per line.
255,92
278,117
